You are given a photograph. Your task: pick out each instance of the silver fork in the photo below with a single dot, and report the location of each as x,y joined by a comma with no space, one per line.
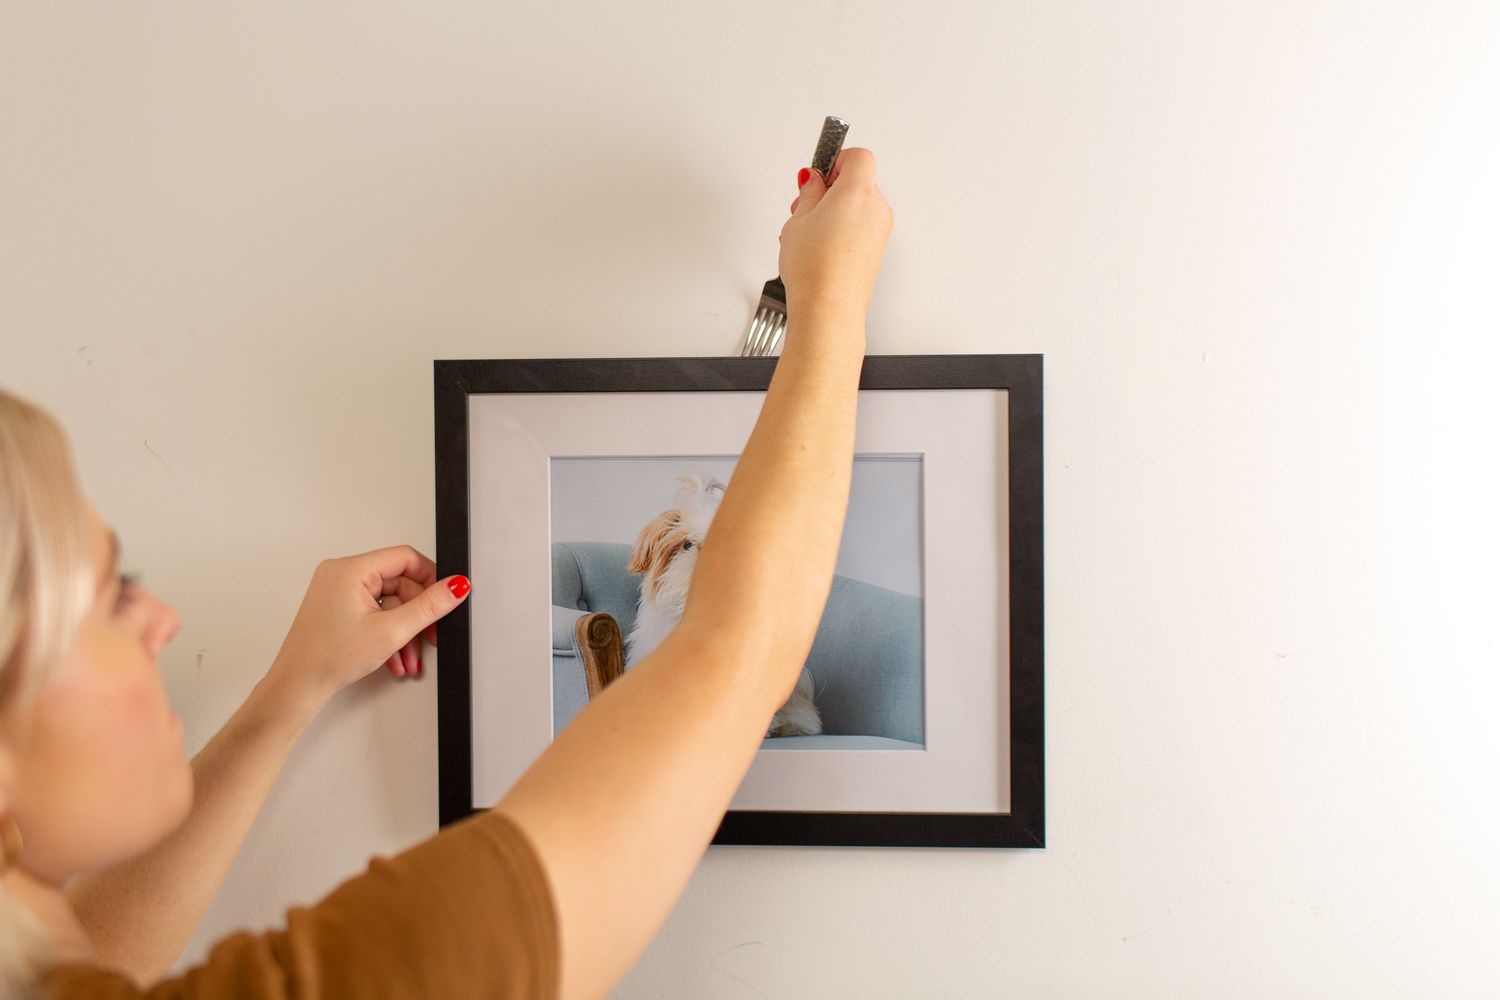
768,325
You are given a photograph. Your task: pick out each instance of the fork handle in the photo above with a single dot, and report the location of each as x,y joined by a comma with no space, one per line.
830,141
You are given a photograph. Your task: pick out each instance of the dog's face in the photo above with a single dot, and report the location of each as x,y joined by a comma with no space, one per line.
667,549
665,553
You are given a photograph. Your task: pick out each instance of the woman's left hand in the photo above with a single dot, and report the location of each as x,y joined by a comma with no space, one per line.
364,611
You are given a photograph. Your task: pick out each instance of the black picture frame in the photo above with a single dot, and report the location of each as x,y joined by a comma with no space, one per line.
1020,375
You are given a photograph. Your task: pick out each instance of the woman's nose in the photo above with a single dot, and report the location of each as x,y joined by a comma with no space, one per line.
163,625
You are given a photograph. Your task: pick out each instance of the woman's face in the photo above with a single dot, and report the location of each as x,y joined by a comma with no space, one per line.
100,775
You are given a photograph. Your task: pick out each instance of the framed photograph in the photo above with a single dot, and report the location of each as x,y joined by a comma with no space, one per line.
572,493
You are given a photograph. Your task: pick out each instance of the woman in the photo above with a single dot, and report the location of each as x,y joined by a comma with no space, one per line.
114,845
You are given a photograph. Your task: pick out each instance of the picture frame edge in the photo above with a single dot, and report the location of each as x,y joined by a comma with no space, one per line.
1020,375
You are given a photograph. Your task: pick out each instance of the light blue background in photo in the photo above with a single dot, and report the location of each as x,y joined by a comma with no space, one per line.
609,499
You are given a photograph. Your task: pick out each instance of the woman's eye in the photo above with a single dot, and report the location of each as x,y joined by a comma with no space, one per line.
127,590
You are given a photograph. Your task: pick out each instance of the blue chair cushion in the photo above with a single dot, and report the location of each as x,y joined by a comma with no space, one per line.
866,659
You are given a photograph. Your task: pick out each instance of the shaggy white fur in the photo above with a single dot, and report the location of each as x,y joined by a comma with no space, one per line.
665,554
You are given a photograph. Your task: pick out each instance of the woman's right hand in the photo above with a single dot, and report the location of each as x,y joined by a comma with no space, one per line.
832,245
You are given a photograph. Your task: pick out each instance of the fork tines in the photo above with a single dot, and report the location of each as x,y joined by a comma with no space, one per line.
763,339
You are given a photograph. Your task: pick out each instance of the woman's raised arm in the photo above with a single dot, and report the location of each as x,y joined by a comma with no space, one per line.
621,807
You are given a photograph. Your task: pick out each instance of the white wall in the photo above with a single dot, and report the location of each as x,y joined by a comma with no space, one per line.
1257,246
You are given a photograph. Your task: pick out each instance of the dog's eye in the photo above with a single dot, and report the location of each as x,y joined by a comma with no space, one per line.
687,545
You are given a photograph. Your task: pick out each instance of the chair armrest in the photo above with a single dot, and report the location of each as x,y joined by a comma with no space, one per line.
601,648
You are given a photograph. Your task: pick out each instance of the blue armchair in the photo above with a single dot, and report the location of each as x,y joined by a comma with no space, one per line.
866,661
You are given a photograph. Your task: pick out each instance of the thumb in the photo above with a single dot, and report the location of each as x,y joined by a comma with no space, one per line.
811,192
427,607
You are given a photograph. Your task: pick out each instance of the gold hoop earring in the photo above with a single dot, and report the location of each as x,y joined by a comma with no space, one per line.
10,839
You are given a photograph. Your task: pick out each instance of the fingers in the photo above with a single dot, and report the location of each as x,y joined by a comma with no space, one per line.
406,589
403,589
399,560
418,612
855,163
811,193
402,583
396,663
411,653
406,661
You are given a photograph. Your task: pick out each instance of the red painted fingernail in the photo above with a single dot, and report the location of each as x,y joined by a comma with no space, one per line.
419,664
802,177
459,585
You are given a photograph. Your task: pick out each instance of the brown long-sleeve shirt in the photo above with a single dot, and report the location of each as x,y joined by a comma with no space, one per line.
466,913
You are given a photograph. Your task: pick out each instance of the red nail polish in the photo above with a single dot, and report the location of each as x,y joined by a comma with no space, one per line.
459,585
802,177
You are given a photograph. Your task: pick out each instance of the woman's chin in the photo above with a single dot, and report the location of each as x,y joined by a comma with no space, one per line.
183,797
173,806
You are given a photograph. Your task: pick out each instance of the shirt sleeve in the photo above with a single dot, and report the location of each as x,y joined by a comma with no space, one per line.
466,913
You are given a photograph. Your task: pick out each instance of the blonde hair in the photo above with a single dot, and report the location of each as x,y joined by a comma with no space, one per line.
46,589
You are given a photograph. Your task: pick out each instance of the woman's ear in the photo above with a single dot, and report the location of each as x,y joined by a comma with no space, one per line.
651,538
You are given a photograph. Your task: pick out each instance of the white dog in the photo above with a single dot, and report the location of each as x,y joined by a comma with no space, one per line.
665,554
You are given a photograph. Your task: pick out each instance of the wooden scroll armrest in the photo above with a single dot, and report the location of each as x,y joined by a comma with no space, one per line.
602,648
